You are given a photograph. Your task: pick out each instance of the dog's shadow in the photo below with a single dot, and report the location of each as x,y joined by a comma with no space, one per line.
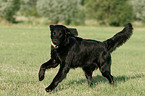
100,79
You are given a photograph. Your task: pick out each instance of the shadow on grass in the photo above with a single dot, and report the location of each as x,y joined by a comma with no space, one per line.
127,78
100,79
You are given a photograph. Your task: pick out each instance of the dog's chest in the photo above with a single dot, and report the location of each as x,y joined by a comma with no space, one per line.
61,54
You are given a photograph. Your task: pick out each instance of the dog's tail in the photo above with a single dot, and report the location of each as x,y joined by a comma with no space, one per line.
119,38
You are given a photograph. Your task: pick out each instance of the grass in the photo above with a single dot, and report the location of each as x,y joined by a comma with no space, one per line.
23,49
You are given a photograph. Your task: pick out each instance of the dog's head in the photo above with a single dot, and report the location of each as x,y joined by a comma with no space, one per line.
60,33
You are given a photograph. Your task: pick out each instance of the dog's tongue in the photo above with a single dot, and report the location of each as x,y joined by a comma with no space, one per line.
55,46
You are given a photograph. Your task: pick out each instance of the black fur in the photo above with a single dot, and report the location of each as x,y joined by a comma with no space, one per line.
70,51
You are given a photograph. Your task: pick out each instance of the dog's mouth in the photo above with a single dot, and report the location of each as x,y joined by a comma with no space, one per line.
54,45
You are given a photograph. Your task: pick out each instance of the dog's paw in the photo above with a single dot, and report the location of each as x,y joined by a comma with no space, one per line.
41,74
112,82
91,84
48,89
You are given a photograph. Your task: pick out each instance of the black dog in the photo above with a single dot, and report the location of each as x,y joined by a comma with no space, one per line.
71,52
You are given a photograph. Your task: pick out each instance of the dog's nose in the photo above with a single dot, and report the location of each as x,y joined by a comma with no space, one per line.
55,41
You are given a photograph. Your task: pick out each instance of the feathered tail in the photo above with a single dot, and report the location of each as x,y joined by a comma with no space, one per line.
119,38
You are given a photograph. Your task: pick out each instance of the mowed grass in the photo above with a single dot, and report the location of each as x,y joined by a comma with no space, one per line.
23,49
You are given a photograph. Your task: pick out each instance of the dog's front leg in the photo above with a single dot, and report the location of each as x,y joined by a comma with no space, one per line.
58,78
49,64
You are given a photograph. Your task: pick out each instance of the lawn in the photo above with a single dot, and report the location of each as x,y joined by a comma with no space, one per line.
24,48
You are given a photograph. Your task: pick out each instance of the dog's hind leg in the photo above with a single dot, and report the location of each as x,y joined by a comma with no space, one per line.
88,73
108,76
105,67
106,71
49,64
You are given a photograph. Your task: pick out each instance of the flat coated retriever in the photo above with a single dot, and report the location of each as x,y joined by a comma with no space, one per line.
70,51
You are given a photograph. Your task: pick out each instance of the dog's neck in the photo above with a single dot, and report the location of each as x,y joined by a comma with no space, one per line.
55,46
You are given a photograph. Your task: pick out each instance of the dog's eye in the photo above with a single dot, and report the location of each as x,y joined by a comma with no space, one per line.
60,34
54,33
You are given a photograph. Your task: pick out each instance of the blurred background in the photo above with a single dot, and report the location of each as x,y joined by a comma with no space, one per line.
73,12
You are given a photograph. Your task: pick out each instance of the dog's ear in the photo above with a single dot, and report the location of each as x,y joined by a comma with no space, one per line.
51,27
67,31
73,31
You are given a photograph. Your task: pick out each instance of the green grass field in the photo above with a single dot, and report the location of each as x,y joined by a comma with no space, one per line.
23,49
